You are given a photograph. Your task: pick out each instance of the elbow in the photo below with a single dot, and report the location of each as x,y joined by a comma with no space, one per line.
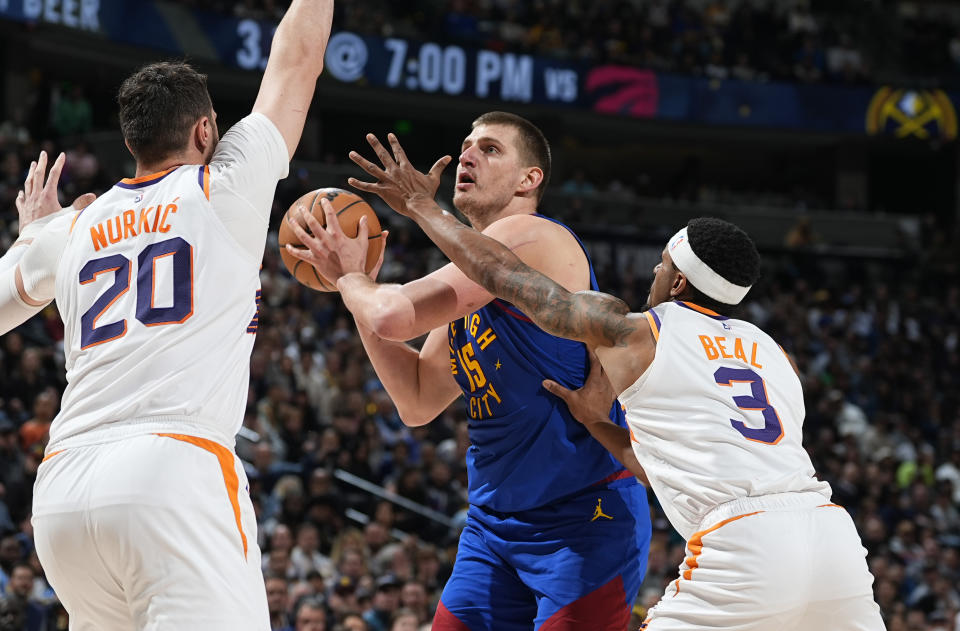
392,323
412,417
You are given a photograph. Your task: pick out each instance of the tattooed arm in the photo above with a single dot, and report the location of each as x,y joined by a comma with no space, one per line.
594,318
599,320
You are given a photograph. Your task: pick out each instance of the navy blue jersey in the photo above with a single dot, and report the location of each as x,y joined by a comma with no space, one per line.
526,450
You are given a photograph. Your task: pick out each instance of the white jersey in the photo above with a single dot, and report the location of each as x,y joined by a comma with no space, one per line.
158,286
717,416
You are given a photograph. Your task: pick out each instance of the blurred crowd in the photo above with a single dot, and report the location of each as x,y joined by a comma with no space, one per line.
840,41
878,345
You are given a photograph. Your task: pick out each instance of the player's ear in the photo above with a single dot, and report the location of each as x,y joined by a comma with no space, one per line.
531,180
203,134
128,148
679,285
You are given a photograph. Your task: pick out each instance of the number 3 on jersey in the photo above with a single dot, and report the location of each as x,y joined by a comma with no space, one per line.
772,430
182,308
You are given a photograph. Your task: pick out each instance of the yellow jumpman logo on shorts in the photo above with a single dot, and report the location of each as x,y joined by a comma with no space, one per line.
598,512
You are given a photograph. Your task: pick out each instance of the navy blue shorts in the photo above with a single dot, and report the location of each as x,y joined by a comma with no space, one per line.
575,565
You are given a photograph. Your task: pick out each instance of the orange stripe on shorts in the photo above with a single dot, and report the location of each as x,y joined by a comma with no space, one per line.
52,454
230,479
696,546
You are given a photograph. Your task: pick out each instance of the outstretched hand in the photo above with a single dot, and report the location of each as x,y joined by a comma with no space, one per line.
591,403
398,183
332,253
38,199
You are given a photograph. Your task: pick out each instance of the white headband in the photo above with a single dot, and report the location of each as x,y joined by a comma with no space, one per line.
700,274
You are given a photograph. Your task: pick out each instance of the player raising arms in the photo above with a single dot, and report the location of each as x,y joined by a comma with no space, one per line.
715,408
557,531
140,513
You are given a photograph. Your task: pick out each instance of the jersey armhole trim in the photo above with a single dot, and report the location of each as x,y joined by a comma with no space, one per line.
203,179
74,222
654,321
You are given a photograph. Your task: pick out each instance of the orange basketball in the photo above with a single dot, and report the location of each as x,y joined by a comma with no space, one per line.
350,208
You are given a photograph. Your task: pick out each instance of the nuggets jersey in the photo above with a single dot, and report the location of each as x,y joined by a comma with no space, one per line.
158,288
717,416
526,450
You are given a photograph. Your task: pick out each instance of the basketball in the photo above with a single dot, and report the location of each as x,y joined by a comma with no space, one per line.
350,208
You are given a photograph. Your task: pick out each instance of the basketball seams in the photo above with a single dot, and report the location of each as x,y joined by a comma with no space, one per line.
307,280
316,199
322,280
344,209
316,281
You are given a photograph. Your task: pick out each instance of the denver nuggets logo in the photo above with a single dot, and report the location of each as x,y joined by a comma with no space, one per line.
920,113
598,512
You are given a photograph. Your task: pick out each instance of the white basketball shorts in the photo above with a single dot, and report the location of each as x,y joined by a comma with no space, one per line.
153,532
777,562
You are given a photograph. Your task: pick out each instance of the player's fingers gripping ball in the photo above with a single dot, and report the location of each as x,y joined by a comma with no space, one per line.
349,209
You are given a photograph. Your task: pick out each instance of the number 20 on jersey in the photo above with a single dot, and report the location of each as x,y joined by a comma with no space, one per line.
92,333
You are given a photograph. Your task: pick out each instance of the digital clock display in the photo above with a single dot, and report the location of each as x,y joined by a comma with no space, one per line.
453,70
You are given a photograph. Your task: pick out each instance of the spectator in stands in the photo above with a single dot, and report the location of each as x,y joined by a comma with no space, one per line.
404,620
72,114
306,556
18,611
414,599
278,599
578,184
13,482
36,431
13,130
353,622
311,615
386,600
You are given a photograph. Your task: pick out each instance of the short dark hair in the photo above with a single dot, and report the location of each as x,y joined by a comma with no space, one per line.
313,602
158,105
728,251
534,147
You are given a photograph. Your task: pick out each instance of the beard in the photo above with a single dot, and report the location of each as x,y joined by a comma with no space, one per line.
649,303
479,209
213,147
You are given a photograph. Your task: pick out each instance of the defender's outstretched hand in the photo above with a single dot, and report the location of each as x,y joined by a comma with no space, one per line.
38,199
397,182
329,250
591,403
591,406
